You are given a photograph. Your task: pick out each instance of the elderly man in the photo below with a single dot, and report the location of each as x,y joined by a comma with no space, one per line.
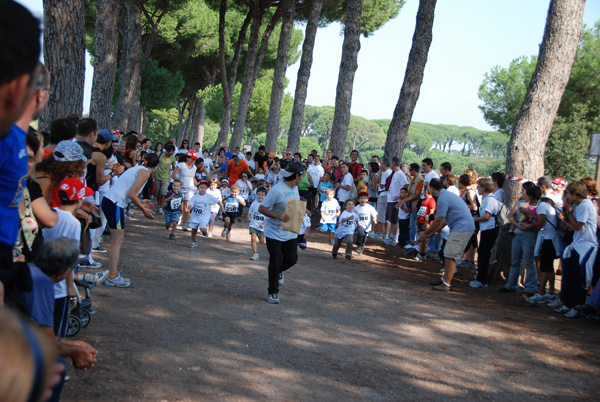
452,211
234,168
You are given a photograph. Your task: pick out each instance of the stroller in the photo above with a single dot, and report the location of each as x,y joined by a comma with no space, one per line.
81,311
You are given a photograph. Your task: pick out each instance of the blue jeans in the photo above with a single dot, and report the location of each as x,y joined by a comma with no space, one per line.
522,250
412,229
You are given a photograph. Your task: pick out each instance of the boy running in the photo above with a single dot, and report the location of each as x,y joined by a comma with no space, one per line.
257,223
199,206
172,208
367,217
232,207
330,210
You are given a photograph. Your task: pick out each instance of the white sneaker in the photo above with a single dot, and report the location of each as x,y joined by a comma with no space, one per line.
209,234
536,298
572,313
118,282
96,278
477,284
193,244
160,211
420,257
255,257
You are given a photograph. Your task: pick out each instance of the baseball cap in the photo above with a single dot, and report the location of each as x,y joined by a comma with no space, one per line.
292,168
361,194
106,135
271,154
192,154
559,181
74,189
202,182
69,151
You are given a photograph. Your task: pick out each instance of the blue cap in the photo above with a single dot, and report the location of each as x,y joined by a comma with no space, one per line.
106,135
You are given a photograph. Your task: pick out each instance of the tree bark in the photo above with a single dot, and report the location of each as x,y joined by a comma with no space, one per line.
303,76
348,66
105,61
288,10
129,66
413,77
64,55
525,152
253,63
198,126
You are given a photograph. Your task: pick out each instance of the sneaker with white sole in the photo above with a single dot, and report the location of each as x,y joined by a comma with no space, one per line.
536,298
118,282
228,235
255,257
562,309
572,313
129,213
555,304
160,211
96,278
209,234
280,279
193,244
420,257
99,250
390,241
224,232
90,265
477,284
547,298
184,228
273,298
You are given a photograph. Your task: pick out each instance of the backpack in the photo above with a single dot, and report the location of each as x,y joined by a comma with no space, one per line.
502,215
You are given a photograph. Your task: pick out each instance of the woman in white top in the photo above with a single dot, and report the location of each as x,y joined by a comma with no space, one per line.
116,199
345,187
186,173
489,231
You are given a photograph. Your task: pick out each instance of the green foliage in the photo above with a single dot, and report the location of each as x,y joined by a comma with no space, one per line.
162,125
503,91
375,13
160,88
567,148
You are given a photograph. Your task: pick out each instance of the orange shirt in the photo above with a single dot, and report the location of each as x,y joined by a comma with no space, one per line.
234,171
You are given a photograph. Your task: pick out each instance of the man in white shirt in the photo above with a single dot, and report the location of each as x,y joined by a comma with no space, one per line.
397,181
382,199
430,174
316,172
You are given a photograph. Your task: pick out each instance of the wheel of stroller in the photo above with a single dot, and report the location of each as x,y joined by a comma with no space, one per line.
74,326
86,317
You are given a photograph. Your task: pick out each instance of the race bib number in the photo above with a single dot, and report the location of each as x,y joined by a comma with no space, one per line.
422,211
258,217
331,212
230,207
198,211
363,217
350,222
175,203
199,208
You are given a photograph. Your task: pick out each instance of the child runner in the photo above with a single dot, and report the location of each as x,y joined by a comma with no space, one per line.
404,220
330,210
214,209
367,217
257,223
172,208
345,230
199,207
232,207
427,208
323,186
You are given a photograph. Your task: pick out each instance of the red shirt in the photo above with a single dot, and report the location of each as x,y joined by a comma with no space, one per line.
427,205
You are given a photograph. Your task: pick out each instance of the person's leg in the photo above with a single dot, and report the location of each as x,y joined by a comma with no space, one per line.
412,228
211,222
117,238
336,246
61,316
253,238
488,237
531,278
194,234
361,237
349,243
275,260
289,250
173,227
449,268
516,256
403,237
225,225
186,214
547,255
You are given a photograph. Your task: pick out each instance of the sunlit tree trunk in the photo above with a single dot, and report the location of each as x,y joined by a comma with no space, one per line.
348,66
304,75
64,55
279,75
413,77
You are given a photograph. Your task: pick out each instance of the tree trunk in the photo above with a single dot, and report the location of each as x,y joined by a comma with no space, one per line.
105,61
64,55
135,115
348,66
251,74
129,66
303,76
279,74
413,77
525,152
198,127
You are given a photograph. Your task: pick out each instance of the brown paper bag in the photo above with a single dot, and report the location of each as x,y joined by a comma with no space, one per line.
295,210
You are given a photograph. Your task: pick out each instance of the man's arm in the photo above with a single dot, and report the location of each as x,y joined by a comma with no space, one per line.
82,354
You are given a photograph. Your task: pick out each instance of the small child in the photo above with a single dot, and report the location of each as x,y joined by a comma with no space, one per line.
345,230
367,217
427,208
260,175
232,207
214,209
362,183
225,191
330,210
172,208
404,219
323,186
200,209
257,185
306,224
257,223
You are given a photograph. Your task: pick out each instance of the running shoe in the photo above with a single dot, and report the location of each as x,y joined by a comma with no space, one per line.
193,244
160,211
90,265
184,228
280,279
171,236
96,278
99,250
255,257
477,284
224,232
273,298
117,282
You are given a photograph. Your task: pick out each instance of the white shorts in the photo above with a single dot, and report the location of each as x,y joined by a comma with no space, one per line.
188,193
197,225
381,208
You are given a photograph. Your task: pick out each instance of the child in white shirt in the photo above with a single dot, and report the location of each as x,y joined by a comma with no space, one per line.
200,208
330,210
367,217
345,230
256,223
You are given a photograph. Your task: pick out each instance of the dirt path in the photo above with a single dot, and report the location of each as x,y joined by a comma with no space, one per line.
195,325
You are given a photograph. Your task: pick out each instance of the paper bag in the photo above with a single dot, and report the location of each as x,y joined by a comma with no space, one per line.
295,210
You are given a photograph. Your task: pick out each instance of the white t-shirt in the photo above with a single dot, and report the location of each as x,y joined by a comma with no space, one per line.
276,201
251,164
454,190
382,181
245,189
315,172
273,178
348,227
490,204
544,208
499,194
200,207
586,213
256,218
258,177
104,187
329,211
217,194
306,223
343,195
186,175
208,163
366,215
428,177
399,180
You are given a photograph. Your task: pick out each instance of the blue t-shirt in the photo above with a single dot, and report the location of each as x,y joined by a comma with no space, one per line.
323,190
13,170
455,211
39,303
276,201
232,204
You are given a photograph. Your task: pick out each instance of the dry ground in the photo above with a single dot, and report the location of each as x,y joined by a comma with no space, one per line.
195,326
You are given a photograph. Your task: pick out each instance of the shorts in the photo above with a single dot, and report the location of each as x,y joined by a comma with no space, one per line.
162,186
547,256
197,225
455,246
231,216
260,233
188,192
328,227
115,215
381,208
391,213
171,216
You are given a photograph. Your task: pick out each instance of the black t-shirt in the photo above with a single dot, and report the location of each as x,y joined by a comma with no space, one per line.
260,160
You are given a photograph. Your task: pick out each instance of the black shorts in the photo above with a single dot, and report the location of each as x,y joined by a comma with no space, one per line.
115,216
391,213
231,216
